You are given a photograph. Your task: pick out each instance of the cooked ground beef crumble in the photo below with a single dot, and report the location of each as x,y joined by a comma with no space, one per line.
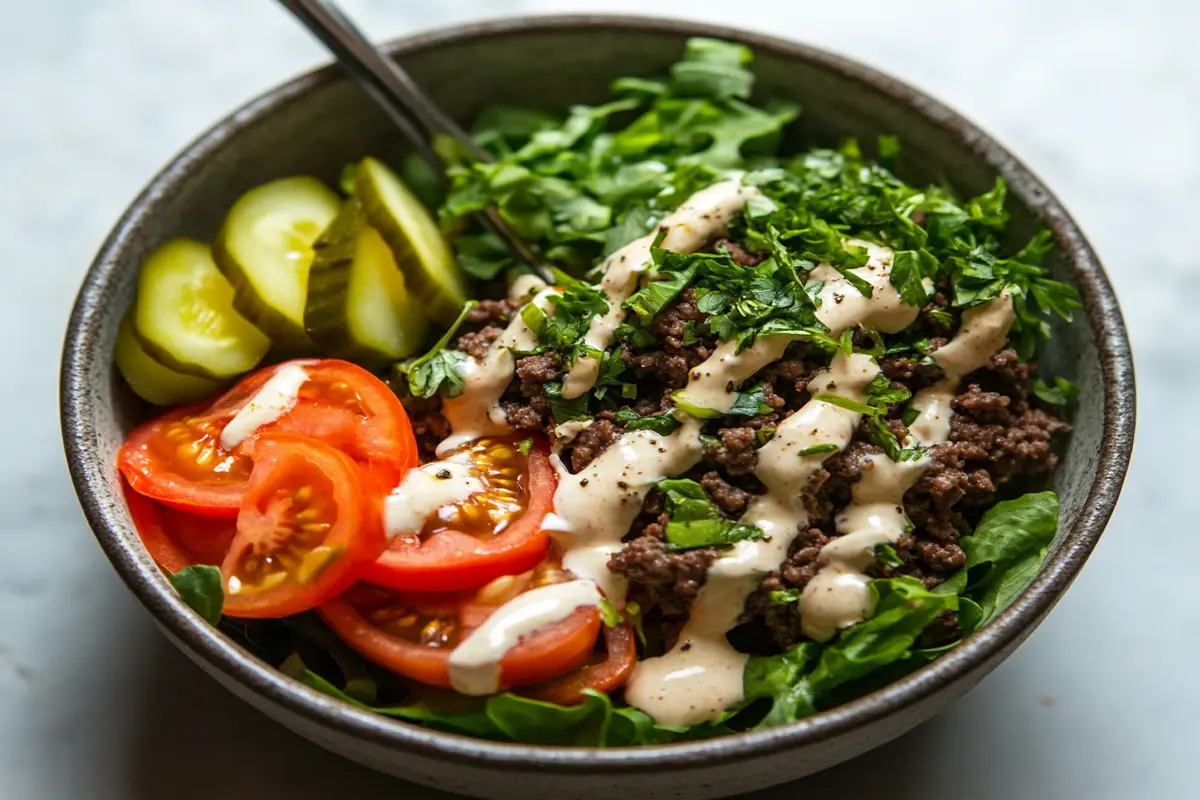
996,438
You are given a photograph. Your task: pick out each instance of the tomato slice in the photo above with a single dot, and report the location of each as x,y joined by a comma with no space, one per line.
494,532
176,539
308,524
413,633
604,672
178,458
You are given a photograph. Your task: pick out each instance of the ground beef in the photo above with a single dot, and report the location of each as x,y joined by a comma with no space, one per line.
591,442
476,343
493,311
663,579
539,368
735,452
729,498
997,439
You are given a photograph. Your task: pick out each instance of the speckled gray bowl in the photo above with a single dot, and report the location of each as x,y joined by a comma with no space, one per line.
318,122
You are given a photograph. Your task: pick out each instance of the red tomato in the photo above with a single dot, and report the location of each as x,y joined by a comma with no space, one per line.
492,533
176,539
413,634
307,526
604,672
178,459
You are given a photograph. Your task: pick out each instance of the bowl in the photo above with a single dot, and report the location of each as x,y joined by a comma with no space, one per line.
319,121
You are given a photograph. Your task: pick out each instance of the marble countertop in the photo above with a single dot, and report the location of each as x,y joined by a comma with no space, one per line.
1101,98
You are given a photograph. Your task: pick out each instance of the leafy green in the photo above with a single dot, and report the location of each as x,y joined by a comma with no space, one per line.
695,521
802,678
656,295
562,409
662,424
1060,394
200,587
818,449
439,366
1003,554
848,404
749,403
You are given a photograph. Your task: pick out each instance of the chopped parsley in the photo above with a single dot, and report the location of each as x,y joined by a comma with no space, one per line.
662,424
439,366
695,520
1060,393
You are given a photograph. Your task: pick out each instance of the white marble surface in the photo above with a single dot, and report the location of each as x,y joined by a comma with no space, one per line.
1101,98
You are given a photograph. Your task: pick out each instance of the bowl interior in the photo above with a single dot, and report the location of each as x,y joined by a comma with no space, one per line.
320,122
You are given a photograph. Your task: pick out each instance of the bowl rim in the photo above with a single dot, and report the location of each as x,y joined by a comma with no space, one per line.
103,507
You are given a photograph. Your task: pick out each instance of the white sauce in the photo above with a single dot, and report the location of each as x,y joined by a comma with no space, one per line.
842,306
714,382
475,664
270,403
702,675
476,412
525,286
425,490
594,508
702,217
839,595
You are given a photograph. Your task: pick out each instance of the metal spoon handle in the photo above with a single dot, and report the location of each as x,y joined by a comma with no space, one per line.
417,116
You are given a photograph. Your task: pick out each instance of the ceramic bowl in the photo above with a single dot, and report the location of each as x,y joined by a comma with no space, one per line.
318,122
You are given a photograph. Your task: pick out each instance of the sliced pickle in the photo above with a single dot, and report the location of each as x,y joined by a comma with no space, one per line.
185,317
149,379
418,246
265,249
358,307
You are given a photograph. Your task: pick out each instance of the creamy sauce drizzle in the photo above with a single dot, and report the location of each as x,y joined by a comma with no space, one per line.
839,595
425,490
701,218
702,675
270,403
474,665
714,383
594,508
476,412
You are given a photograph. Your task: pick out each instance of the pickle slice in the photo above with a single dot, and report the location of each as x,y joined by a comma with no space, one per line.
265,249
417,245
185,317
149,379
358,307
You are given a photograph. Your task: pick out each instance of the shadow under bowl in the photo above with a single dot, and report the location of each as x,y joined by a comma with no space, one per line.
319,121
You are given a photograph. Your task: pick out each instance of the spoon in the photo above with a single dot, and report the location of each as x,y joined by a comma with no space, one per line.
413,111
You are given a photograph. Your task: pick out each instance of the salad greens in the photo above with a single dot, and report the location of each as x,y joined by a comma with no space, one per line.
1002,555
580,187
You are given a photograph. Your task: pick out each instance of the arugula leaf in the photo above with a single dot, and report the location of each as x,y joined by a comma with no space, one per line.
662,424
1060,394
695,520
200,587
427,373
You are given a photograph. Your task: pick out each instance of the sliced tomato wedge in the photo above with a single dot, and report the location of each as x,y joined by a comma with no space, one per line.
307,526
413,634
178,458
604,672
177,539
495,532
